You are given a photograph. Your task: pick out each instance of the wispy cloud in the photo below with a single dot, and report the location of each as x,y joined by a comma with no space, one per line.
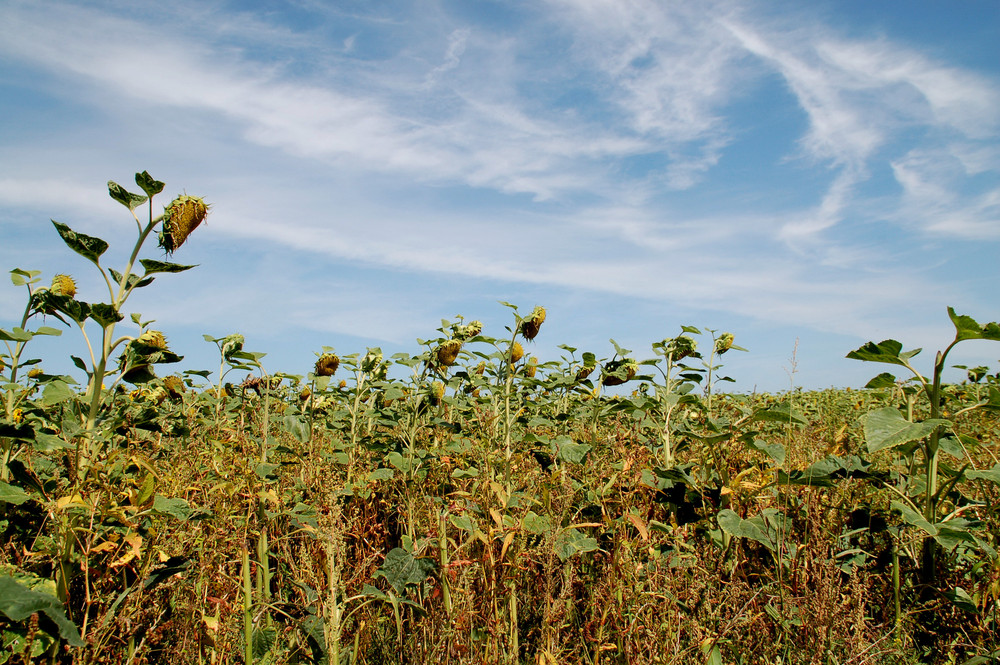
578,145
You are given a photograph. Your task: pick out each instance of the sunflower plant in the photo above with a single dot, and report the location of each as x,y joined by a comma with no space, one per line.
139,353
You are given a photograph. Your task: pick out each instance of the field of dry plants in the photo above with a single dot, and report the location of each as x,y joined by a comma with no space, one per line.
470,503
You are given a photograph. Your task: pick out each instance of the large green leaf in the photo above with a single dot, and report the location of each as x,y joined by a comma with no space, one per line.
887,428
913,518
56,392
887,351
401,569
991,474
177,508
735,525
11,494
780,413
86,246
18,603
123,196
967,328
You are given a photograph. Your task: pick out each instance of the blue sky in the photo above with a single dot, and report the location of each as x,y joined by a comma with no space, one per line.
808,176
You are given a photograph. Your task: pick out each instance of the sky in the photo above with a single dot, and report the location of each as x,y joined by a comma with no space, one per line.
807,176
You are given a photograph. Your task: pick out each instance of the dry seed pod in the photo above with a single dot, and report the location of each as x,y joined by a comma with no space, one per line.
180,218
63,285
516,352
530,325
327,365
447,353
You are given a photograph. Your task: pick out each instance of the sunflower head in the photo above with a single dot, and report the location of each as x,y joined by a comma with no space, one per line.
63,285
681,347
534,321
447,353
724,343
180,218
516,352
327,365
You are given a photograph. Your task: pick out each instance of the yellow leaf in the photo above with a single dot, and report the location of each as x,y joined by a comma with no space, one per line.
640,527
134,541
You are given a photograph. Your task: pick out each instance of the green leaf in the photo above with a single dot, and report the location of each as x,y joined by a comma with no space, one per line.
883,380
21,277
572,541
266,470
56,392
967,328
781,413
775,451
887,351
152,266
264,640
105,314
297,427
16,335
536,524
18,603
401,569
570,451
149,185
992,474
11,494
962,601
123,196
887,428
736,526
86,246
913,518
177,508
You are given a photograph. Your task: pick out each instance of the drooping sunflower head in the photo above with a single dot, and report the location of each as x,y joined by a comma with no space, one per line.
447,353
617,372
153,338
327,365
180,218
681,347
531,325
724,343
531,368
